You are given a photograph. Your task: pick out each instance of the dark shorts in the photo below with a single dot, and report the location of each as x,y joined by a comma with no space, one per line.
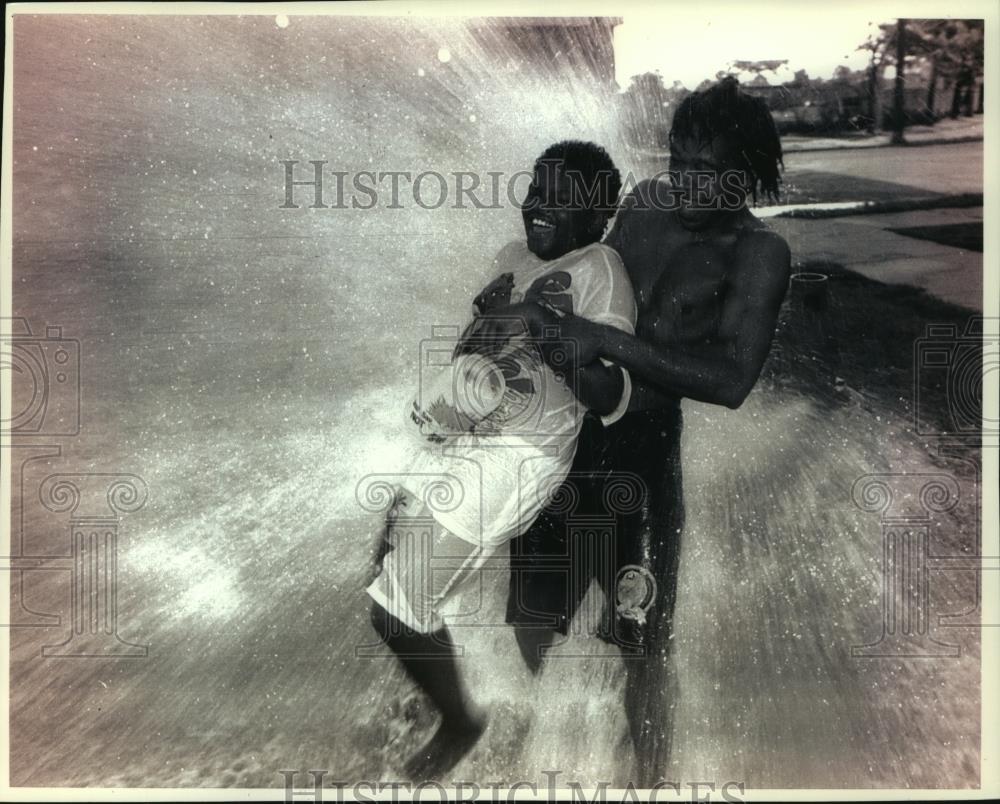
617,520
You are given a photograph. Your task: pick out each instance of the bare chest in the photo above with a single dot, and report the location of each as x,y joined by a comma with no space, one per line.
682,299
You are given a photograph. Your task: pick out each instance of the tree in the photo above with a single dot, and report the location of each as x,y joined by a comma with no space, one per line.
876,45
758,67
842,74
648,107
949,49
955,50
929,38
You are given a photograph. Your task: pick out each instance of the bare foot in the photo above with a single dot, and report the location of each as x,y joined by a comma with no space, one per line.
450,743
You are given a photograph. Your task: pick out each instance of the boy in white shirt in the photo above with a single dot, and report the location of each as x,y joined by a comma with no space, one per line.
500,425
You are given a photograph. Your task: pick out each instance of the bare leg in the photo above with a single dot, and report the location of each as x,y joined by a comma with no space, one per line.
431,661
651,693
651,688
651,449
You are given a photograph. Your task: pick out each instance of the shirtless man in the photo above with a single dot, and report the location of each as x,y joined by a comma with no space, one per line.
709,279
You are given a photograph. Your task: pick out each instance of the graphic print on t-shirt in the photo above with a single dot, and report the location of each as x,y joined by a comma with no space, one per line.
521,362
536,398
552,291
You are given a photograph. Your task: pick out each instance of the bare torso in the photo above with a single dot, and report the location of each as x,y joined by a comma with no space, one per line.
683,281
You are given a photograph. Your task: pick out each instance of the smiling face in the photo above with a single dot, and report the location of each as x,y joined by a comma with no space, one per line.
711,181
554,220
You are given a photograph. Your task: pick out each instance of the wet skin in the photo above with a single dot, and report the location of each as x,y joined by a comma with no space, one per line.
708,283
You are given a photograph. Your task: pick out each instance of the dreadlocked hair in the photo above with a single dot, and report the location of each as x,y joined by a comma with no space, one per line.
723,110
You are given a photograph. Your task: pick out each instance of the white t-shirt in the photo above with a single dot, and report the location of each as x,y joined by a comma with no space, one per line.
515,392
498,433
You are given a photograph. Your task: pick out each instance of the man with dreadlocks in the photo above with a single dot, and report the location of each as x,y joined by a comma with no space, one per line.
709,279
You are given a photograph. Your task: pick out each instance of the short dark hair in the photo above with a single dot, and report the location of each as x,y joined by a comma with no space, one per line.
601,180
723,110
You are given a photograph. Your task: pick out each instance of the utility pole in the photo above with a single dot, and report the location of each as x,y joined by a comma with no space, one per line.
932,88
898,97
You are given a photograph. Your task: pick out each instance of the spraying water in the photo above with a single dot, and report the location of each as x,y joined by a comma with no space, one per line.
251,363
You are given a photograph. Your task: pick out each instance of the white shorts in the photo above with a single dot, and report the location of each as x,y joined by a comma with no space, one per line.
458,504
424,564
486,489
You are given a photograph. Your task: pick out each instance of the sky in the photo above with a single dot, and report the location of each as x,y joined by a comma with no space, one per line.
689,44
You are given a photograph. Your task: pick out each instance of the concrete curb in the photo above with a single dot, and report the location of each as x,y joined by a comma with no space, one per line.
805,147
860,145
877,207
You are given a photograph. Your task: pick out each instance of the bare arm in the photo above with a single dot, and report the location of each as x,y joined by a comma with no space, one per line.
722,372
598,387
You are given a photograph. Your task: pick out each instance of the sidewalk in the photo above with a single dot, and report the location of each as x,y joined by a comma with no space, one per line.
840,209
839,182
873,246
963,129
